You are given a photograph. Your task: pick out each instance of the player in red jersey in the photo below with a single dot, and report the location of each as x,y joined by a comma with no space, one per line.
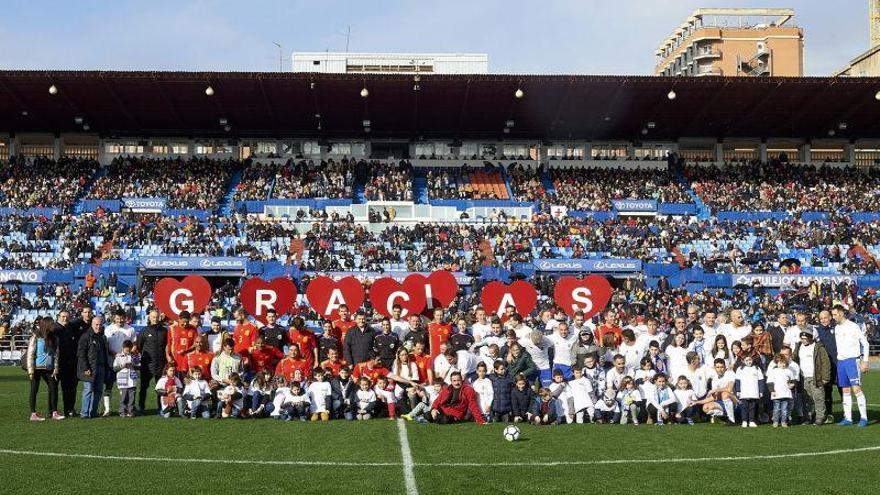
181,341
263,357
294,361
305,339
424,363
343,324
244,335
201,358
333,363
609,326
438,332
371,368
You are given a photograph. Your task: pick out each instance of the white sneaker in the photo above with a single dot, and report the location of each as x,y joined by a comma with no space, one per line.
753,425
745,425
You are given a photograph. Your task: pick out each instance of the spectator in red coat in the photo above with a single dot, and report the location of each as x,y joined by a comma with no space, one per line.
455,402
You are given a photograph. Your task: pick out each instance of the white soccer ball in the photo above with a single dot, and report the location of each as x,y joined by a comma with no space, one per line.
511,433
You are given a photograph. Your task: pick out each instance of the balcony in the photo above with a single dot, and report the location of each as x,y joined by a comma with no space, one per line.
707,54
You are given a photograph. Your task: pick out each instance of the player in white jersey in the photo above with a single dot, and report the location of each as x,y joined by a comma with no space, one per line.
852,360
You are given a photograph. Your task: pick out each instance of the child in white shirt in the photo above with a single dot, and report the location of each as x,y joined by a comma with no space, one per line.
387,393
195,392
366,399
169,389
291,402
607,408
685,398
126,364
319,396
230,400
662,404
483,387
780,381
560,391
596,374
748,379
629,398
581,394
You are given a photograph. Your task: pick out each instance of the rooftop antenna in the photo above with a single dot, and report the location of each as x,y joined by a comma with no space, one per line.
347,38
280,56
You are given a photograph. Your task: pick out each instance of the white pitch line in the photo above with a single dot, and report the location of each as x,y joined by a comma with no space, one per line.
201,461
409,476
437,464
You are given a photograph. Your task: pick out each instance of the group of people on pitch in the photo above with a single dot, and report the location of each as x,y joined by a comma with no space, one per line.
474,368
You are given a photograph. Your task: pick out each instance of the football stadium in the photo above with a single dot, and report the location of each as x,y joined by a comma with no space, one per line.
405,272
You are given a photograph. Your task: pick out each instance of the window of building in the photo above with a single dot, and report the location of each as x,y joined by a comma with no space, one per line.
826,155
179,149
81,151
311,149
737,154
266,147
340,149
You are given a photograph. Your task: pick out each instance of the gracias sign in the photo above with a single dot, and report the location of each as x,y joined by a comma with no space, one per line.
417,294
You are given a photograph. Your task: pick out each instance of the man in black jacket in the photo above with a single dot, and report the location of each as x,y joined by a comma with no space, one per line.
68,334
92,366
342,394
151,342
358,343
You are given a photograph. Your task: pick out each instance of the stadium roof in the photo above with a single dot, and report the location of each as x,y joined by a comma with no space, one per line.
554,107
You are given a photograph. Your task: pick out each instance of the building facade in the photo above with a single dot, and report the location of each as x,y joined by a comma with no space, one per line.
733,42
391,63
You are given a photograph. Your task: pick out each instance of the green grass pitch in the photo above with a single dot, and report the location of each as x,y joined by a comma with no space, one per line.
155,455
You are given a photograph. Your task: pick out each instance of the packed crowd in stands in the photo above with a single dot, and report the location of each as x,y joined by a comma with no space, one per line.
389,182
256,181
781,186
593,189
43,182
759,246
300,179
194,183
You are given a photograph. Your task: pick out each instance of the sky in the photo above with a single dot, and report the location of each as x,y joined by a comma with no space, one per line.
550,36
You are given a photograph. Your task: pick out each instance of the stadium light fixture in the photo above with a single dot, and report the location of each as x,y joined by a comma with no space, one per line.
53,90
509,123
209,91
842,126
519,93
223,121
24,113
877,96
671,94
831,132
86,127
366,122
78,120
365,93
652,125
